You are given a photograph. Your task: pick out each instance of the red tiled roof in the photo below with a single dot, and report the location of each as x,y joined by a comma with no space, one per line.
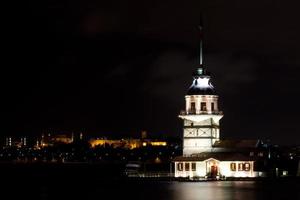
236,143
221,156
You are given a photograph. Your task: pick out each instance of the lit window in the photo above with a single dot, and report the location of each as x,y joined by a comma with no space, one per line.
251,153
240,167
233,166
247,166
260,154
180,166
193,108
193,166
203,106
187,166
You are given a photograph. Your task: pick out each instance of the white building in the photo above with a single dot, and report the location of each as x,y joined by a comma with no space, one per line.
215,165
203,153
201,115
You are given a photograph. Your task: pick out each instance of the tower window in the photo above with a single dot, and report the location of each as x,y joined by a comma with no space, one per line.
193,107
212,106
203,106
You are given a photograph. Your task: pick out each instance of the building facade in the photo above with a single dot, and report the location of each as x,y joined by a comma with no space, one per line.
215,165
201,116
203,155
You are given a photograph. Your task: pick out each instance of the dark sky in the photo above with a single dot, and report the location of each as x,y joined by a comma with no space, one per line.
119,67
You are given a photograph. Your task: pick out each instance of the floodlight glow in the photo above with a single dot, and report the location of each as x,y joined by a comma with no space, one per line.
202,83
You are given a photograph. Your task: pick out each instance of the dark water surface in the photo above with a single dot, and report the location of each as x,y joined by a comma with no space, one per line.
100,183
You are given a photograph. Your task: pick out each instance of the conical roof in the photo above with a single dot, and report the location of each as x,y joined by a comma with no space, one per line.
201,84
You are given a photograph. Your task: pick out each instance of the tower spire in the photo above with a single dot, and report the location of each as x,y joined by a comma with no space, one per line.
200,71
201,41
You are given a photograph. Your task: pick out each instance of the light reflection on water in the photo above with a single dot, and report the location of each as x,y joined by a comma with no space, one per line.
165,190
213,190
96,183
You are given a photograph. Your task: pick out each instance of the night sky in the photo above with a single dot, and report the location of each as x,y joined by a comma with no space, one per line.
118,67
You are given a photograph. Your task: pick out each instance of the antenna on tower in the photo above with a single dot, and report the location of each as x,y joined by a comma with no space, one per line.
200,70
201,40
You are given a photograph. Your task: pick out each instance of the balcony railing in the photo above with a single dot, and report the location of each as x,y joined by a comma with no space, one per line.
198,112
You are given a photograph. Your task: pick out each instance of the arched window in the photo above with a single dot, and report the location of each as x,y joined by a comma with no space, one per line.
193,108
247,166
203,106
187,166
193,166
233,166
179,166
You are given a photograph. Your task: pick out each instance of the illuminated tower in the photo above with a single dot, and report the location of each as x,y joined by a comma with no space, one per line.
201,115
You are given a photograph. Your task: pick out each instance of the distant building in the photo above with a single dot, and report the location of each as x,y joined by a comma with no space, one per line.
127,143
53,139
8,142
15,142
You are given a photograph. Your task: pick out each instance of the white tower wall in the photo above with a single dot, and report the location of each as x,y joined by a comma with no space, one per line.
201,123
